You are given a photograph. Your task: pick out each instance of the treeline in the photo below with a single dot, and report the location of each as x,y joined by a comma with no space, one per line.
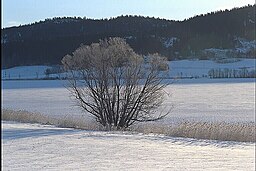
232,73
46,42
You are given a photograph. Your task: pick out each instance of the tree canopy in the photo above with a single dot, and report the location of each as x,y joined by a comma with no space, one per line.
115,85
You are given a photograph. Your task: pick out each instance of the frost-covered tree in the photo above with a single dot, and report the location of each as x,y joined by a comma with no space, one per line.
115,85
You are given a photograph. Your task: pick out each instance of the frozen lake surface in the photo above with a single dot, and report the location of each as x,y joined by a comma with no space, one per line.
230,100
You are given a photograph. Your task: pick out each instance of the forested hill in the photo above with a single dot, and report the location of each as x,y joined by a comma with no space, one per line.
46,42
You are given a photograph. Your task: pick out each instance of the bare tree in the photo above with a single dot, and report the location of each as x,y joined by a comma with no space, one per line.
116,85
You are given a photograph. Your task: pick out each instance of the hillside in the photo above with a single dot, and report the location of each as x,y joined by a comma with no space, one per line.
229,33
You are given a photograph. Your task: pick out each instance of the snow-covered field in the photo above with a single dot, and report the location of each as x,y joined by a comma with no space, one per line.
40,147
180,68
231,100
24,72
198,68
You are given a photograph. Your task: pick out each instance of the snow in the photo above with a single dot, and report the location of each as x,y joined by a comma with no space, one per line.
218,53
168,42
193,99
251,21
130,37
184,68
245,46
41,147
230,100
4,39
25,72
198,68
32,84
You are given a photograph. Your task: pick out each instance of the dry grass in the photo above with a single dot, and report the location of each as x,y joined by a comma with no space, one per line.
242,132
24,116
65,122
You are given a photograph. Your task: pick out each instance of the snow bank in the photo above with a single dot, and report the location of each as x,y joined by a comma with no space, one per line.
40,147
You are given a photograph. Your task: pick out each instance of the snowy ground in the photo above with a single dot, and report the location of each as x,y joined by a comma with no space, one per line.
39,147
184,68
24,72
198,68
231,100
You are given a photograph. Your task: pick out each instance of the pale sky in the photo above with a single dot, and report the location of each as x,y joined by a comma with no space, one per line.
16,12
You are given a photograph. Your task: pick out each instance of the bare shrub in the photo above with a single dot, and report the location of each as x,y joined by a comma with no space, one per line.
115,85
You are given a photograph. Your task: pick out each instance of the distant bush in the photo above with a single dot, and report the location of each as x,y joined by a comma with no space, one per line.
54,70
227,60
232,73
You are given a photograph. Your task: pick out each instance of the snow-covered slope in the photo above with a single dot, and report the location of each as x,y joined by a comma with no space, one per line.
24,72
40,147
198,68
181,68
244,46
